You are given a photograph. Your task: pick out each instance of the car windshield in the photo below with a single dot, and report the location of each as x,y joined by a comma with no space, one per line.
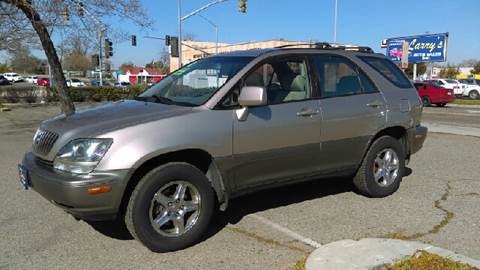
451,81
436,84
195,83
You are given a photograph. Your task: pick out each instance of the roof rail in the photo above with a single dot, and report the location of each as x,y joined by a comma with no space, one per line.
331,46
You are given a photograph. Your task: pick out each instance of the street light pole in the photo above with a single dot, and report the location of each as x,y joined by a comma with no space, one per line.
216,31
181,19
179,10
335,23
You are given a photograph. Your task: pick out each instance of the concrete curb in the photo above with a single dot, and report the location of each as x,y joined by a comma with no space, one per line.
373,253
457,130
463,106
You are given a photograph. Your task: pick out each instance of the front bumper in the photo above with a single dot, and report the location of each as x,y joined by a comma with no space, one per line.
69,191
416,137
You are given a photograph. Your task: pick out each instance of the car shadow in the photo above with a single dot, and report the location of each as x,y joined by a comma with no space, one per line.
259,201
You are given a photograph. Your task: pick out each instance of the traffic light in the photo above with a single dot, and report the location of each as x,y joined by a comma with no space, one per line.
167,40
80,9
108,48
95,60
134,40
174,50
66,13
242,6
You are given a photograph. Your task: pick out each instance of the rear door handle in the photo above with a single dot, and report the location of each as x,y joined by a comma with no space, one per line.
306,112
375,104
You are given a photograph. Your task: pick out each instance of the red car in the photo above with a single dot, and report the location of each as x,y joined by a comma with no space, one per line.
432,93
43,82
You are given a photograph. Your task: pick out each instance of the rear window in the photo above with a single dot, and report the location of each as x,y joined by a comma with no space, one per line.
451,81
388,70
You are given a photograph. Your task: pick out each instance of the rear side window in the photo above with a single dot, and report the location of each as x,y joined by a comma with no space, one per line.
338,76
389,70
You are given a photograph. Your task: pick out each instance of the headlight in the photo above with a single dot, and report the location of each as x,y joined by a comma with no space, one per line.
81,155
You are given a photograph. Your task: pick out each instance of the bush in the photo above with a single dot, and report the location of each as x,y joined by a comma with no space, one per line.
135,90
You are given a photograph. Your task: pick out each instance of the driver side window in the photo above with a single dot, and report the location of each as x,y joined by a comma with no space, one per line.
284,80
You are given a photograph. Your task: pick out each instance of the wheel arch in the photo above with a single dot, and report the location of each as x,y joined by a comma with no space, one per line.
397,132
199,158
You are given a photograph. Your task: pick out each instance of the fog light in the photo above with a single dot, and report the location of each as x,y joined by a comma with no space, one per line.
100,189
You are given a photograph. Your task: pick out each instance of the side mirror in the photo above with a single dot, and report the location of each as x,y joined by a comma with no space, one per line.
250,96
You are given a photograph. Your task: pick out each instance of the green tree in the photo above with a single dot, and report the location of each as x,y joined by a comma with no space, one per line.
41,17
421,68
476,69
449,72
127,65
3,68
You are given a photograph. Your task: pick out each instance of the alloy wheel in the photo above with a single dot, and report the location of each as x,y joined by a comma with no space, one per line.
386,167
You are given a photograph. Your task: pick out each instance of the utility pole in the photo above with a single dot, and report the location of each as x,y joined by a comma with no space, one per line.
100,66
335,23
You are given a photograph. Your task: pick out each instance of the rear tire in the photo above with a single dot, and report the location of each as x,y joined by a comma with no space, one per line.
377,176
171,207
474,94
426,101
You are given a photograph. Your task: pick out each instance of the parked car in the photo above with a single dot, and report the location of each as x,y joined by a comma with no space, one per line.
224,126
449,84
75,83
43,82
97,83
31,79
470,81
432,93
471,89
13,77
122,85
4,81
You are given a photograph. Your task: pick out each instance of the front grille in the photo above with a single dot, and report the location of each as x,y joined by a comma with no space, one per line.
43,141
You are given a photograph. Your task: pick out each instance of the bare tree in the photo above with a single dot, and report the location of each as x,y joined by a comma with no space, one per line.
44,16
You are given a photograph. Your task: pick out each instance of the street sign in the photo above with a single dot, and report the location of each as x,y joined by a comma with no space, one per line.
422,48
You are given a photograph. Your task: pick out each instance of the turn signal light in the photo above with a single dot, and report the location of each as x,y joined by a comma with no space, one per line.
100,189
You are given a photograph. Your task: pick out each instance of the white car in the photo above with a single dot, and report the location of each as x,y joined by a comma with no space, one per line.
450,84
13,77
31,79
472,91
75,83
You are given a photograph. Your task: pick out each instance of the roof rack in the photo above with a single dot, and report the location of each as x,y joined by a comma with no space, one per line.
331,46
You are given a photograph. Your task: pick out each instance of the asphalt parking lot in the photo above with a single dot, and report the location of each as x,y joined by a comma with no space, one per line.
437,203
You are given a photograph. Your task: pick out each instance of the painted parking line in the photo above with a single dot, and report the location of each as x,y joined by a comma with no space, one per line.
286,231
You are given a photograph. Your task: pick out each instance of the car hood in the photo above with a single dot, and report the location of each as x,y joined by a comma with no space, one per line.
113,116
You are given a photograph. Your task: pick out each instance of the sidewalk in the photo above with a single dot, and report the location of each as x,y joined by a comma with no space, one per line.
373,253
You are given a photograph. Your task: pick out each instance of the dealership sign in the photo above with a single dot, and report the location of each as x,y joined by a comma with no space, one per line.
422,48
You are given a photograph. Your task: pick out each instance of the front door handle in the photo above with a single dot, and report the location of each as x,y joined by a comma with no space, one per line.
375,104
307,112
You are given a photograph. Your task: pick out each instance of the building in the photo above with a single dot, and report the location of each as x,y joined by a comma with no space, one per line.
193,50
135,75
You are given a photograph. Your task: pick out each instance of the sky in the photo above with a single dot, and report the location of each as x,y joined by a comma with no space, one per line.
364,22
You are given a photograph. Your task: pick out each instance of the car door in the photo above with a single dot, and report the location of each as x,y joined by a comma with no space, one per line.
353,111
280,140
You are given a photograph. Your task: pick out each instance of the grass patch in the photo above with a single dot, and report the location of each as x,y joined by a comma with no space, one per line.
300,264
423,260
467,101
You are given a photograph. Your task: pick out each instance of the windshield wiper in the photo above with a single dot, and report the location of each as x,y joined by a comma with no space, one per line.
165,100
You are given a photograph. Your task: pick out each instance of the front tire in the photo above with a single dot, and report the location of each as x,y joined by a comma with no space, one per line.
382,168
474,94
171,207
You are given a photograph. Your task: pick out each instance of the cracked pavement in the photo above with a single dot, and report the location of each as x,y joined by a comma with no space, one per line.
438,204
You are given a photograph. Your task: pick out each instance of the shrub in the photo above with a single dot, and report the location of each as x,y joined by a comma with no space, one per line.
135,90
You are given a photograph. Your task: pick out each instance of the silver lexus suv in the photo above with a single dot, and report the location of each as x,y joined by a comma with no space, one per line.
224,126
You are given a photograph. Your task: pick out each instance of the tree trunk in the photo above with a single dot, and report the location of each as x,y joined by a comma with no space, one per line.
67,106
